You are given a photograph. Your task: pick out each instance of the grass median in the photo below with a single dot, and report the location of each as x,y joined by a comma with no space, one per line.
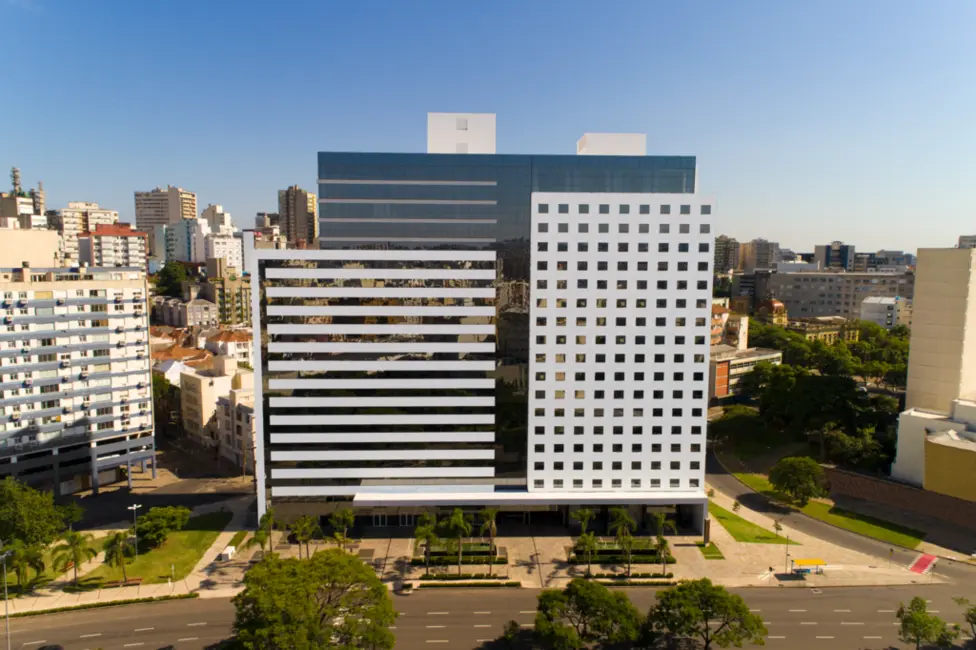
710,551
879,529
742,530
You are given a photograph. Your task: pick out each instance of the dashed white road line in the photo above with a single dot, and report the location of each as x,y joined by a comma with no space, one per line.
845,611
482,612
775,637
527,611
797,610
435,627
808,622
438,613
189,638
872,637
886,611
851,623
195,624
144,629
36,642
90,636
825,637
436,640
933,611
484,625
528,625
133,645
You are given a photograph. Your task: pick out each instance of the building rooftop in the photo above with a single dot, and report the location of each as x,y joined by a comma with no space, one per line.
230,336
115,230
723,352
965,440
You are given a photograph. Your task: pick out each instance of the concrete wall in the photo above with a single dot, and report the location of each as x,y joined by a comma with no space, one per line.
930,504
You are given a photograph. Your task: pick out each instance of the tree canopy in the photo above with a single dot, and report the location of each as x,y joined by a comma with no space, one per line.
331,600
30,515
701,610
799,477
585,612
920,627
169,280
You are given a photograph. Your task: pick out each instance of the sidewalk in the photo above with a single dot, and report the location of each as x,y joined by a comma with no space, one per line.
200,580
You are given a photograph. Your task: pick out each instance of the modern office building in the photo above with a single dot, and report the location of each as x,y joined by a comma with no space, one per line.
836,293
75,388
78,218
113,245
380,379
726,254
159,207
834,256
298,216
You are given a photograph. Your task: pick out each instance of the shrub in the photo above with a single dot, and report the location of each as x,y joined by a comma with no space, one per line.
154,526
452,561
463,576
470,585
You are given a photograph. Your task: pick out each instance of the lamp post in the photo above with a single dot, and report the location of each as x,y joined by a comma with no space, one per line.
6,601
134,508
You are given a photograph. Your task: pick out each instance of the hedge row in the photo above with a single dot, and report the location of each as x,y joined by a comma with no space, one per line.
637,583
620,559
107,603
469,585
452,561
621,576
463,576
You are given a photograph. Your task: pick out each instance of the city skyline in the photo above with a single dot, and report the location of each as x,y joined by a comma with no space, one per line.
803,139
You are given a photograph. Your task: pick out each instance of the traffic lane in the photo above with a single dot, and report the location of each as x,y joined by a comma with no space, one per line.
721,480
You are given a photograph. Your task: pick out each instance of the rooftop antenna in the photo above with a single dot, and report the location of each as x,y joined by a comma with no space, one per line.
15,180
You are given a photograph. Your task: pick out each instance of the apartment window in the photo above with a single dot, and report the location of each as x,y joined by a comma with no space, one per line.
665,209
543,209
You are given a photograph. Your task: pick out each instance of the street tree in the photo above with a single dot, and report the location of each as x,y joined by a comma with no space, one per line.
583,516
586,544
304,529
71,514
919,627
426,533
585,612
799,477
701,610
778,527
155,526
22,560
663,550
969,614
341,521
457,526
75,549
489,527
736,506
28,514
118,549
331,600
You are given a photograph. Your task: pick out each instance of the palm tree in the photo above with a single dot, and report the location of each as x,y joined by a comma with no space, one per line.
342,520
426,534
304,529
587,544
488,525
626,541
75,549
663,550
622,525
458,526
583,516
661,524
24,558
261,537
118,548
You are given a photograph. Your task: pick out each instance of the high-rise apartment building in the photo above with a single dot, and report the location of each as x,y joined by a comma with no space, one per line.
835,293
159,207
192,240
758,254
726,254
218,220
114,245
79,217
298,216
380,380
75,388
834,256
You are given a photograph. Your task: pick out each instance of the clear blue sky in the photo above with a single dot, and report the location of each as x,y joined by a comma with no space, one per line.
811,121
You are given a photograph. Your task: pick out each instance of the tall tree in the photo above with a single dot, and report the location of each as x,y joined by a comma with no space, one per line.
457,527
28,514
489,527
304,529
586,544
341,521
585,612
799,477
622,526
582,516
76,549
918,626
663,551
118,548
71,514
702,610
426,533
23,559
331,600
969,614
661,524
169,281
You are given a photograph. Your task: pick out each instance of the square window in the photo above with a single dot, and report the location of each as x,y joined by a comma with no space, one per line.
686,209
623,227
624,209
583,209
604,208
664,228
683,248
543,209
704,228
675,482
539,483
645,209
665,209
563,208
662,247
684,228
563,227
603,228
583,228
543,227
706,209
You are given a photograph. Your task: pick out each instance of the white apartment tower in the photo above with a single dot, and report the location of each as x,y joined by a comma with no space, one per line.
78,218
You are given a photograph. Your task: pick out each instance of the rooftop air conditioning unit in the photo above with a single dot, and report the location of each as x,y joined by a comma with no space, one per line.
28,382
65,363
83,374
60,301
119,299
8,319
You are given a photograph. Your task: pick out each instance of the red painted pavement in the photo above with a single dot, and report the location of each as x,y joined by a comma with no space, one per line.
923,563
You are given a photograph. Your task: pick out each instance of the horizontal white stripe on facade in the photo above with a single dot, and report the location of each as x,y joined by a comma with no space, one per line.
385,329
382,437
366,366
412,201
345,255
383,472
374,419
386,274
360,181
384,454
377,310
360,384
393,347
486,222
363,402
433,240
380,292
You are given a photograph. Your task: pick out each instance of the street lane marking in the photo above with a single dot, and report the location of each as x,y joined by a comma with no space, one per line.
775,637
825,637
436,640
797,610
850,623
438,613
36,642
189,638
808,623
872,637
144,629
933,611
132,645
755,610
527,611
886,611
393,627
482,612
484,625
435,627
842,610
195,624
90,636
528,624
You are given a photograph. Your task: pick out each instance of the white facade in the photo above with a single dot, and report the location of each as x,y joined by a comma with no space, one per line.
612,144
620,336
915,425
78,218
114,245
236,428
192,240
226,247
886,311
460,133
219,221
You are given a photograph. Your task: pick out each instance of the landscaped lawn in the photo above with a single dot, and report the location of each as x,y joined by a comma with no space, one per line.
181,551
711,551
34,581
884,531
742,530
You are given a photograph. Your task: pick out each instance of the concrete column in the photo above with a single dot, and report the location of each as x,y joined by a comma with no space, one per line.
153,459
128,472
142,466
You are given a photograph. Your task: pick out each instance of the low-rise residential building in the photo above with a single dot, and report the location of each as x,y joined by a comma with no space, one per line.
886,311
113,245
171,369
184,313
228,343
230,290
236,428
199,391
835,293
826,329
728,364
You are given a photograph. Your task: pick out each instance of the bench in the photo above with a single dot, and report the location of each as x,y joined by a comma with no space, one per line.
112,585
133,582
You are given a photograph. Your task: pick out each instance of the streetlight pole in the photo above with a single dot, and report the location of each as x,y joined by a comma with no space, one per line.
134,508
6,601
786,562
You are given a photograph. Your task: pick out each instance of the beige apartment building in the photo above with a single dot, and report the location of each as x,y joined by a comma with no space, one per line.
836,293
76,219
159,207
726,254
298,216
114,245
758,254
236,429
199,392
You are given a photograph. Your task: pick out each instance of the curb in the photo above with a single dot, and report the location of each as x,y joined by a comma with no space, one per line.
827,523
104,604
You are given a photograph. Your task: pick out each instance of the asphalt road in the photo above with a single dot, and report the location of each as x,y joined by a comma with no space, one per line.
458,619
724,482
